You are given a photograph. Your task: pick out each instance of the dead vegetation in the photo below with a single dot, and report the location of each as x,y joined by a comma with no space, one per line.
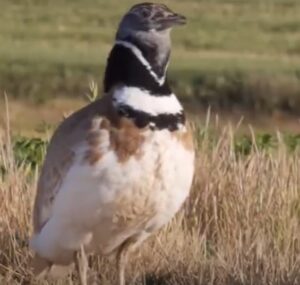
241,224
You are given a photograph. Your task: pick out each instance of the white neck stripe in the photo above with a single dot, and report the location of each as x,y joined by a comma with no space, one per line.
143,60
142,100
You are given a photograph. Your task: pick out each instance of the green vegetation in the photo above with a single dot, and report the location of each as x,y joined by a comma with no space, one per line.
31,151
233,53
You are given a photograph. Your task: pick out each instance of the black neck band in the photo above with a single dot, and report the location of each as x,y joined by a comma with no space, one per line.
142,119
124,68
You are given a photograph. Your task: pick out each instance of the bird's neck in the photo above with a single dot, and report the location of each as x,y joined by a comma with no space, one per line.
155,52
139,92
133,64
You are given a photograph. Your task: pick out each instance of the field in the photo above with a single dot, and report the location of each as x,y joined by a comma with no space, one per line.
236,68
232,55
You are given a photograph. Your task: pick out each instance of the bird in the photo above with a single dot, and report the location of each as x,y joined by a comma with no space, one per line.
119,169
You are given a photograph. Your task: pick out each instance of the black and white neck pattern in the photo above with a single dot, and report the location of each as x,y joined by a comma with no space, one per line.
139,92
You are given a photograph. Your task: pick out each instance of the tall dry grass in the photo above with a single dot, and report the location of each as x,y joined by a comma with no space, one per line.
241,224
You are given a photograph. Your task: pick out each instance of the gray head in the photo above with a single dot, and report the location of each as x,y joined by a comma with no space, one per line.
148,25
147,17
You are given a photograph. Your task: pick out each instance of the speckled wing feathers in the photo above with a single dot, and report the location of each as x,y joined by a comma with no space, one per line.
60,156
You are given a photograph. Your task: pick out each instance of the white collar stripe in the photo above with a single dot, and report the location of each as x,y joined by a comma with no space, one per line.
142,100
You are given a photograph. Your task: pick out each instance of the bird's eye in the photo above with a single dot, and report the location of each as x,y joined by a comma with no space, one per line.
158,15
145,13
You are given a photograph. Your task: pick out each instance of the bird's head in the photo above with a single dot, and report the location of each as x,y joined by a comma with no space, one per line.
149,19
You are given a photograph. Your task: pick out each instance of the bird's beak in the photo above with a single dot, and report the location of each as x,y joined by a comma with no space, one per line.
177,19
171,20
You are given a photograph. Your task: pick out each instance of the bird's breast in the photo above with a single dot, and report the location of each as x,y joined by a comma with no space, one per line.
122,185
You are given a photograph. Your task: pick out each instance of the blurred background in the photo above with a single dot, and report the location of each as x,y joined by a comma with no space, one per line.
239,58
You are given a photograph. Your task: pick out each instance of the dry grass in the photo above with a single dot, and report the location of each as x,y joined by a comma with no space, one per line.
241,224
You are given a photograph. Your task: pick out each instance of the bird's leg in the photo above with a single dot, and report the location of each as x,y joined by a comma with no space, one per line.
122,259
121,263
81,265
128,246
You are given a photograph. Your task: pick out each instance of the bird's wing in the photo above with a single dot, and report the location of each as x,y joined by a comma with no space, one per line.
60,156
49,183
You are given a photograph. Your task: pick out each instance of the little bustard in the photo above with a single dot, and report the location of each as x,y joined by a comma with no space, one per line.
120,168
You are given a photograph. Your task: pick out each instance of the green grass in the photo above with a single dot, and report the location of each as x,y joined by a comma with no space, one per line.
53,48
